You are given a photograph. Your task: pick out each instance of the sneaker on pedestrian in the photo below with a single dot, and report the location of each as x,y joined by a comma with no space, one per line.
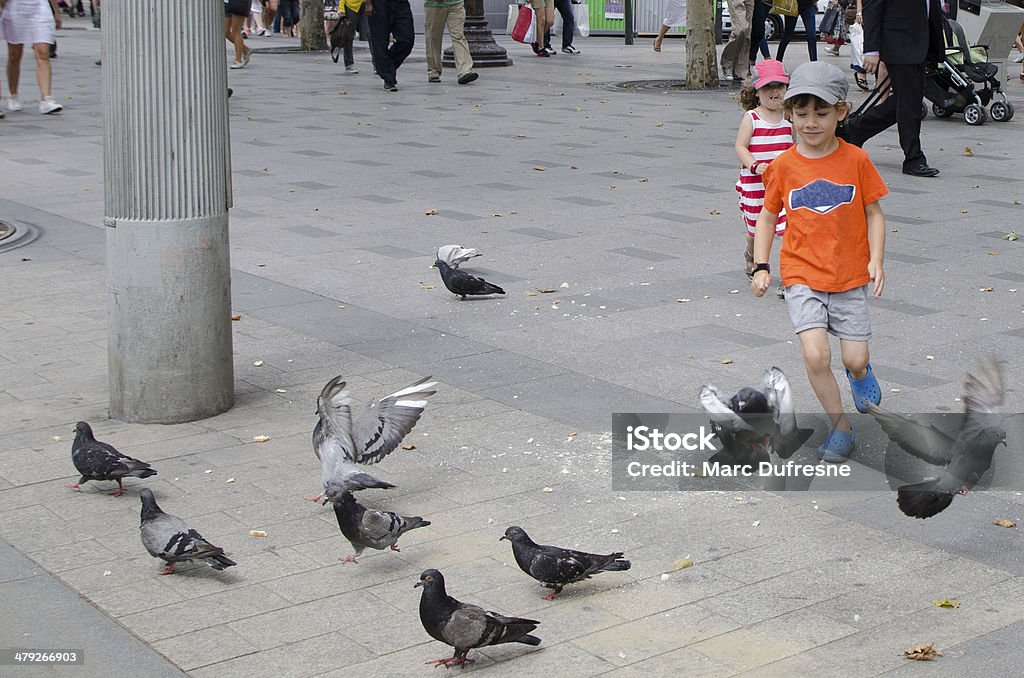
570,50
351,69
237,64
467,78
536,49
550,50
390,86
433,78
49,105
13,104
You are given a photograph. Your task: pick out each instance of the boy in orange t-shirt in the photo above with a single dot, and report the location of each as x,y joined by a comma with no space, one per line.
834,244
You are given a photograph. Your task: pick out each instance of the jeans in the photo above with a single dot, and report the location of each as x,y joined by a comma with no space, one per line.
758,40
289,10
807,13
564,8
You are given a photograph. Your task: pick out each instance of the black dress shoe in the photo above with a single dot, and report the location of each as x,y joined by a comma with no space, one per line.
920,170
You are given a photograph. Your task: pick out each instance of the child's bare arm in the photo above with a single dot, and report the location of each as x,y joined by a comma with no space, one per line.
743,136
763,235
876,245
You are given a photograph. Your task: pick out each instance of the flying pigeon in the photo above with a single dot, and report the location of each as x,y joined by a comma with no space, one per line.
100,461
555,567
456,254
752,423
365,527
168,537
341,441
966,457
465,626
462,284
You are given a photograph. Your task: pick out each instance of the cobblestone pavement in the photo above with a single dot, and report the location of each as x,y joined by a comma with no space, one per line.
626,196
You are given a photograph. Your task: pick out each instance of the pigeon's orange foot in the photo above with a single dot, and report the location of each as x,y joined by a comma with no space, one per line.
169,570
550,596
74,486
348,559
394,547
118,493
316,498
449,662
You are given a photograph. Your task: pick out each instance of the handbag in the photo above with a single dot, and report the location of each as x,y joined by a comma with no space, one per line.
582,15
850,15
785,7
525,27
829,21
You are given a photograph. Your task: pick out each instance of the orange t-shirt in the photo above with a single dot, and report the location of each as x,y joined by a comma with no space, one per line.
826,241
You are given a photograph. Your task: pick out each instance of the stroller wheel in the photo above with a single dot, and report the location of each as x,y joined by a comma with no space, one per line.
1001,111
941,112
974,114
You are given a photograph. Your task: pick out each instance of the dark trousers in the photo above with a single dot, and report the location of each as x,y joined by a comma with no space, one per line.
390,17
757,37
807,13
564,8
903,107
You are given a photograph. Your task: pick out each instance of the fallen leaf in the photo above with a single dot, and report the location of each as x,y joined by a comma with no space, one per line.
236,317
572,434
280,390
408,446
564,286
496,214
682,301
929,357
1003,522
431,212
548,489
56,439
643,180
756,523
968,151
258,363
714,213
425,286
985,289
922,653
546,290
1011,236
230,480
734,291
257,533
951,603
529,294
681,564
727,361
260,439
540,168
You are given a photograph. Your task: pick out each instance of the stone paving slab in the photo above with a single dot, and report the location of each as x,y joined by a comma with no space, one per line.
634,210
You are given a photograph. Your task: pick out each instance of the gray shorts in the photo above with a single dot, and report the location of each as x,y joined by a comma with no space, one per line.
844,314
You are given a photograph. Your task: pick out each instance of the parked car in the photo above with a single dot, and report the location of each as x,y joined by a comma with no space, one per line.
772,25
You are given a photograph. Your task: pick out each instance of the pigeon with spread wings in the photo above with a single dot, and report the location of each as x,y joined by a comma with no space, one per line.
966,457
341,440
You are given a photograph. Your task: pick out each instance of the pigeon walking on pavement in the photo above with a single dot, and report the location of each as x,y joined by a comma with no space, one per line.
555,567
169,538
340,441
465,626
369,528
462,284
753,423
100,461
456,254
966,457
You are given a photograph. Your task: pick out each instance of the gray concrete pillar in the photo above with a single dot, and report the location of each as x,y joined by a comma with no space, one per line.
167,194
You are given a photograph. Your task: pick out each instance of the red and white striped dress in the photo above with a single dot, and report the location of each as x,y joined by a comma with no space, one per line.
766,142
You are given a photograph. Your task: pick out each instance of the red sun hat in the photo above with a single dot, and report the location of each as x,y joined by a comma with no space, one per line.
769,71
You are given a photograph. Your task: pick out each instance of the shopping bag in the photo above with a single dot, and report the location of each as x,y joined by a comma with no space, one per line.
513,16
829,21
857,47
524,28
785,7
582,15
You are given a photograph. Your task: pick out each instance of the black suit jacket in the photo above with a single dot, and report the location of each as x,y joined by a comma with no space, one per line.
903,31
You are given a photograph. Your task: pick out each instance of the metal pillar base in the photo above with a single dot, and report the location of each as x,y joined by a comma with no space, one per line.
485,51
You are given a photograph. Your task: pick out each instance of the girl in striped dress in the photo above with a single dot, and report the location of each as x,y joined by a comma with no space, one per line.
764,133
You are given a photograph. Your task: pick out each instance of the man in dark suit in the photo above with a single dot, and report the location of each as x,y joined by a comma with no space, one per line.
904,34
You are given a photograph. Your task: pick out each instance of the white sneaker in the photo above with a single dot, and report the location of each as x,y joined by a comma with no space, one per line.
13,104
49,105
351,69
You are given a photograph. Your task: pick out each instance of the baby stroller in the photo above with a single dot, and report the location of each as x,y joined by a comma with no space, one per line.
965,82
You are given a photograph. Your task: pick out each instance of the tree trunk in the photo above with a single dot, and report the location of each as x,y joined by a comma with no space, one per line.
701,56
311,26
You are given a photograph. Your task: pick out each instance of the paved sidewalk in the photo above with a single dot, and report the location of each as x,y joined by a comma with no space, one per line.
626,196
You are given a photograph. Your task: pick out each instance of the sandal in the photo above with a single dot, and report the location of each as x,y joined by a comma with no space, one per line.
861,81
865,390
837,447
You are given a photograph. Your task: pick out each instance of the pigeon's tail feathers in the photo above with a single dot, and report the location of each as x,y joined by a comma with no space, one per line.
616,564
528,640
416,522
491,288
923,500
219,561
515,630
139,469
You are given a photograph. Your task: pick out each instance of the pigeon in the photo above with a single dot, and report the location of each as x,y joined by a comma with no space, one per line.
340,442
365,527
456,254
966,457
752,423
462,284
465,626
168,537
100,461
555,567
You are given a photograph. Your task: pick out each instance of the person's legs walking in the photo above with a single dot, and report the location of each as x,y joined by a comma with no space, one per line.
43,70
809,17
908,91
403,32
434,19
757,37
564,8
789,26
456,20
14,75
380,29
